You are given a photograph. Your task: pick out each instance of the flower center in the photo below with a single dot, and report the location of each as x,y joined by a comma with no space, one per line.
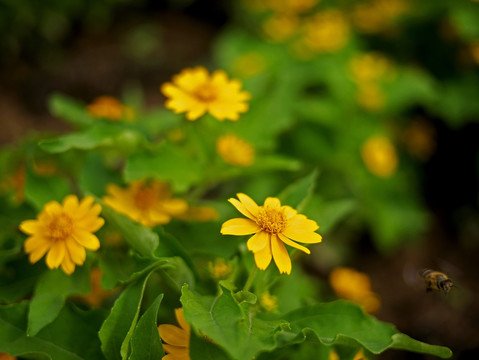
61,227
206,93
271,220
145,198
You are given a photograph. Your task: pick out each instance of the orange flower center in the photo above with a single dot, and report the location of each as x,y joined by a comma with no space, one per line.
271,220
145,198
61,227
206,93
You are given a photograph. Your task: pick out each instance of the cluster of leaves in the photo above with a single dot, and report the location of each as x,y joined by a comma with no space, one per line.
307,130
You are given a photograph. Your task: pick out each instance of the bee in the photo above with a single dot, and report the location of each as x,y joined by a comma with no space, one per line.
436,280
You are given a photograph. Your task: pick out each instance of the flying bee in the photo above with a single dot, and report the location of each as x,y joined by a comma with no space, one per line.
436,280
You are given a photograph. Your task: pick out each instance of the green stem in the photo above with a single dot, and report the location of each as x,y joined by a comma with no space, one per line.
250,280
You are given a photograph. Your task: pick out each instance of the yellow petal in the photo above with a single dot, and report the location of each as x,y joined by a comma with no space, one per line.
174,206
56,255
258,241
86,239
301,235
262,258
76,252
176,352
302,222
249,204
181,319
34,242
289,212
67,265
52,208
272,202
91,224
241,208
173,335
31,226
38,252
293,244
280,255
239,226
70,204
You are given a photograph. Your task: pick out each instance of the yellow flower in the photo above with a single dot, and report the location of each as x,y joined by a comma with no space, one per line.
376,15
64,231
269,302
219,269
97,294
355,286
370,96
149,203
379,155
273,226
108,107
369,67
196,92
327,31
280,27
176,340
234,150
199,213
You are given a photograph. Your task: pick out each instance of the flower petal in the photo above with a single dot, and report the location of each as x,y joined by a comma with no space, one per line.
258,241
301,235
86,239
262,258
56,255
70,204
76,252
272,202
37,253
241,208
302,222
249,204
67,265
280,255
181,319
239,226
176,352
31,226
173,335
293,244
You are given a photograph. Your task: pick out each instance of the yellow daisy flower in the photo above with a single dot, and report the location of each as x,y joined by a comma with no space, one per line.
110,108
380,156
196,92
176,340
234,150
149,203
327,31
269,302
273,226
63,231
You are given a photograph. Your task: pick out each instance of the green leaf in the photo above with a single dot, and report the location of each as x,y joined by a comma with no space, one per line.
167,163
72,336
329,213
344,323
297,194
99,135
52,289
177,273
69,110
145,341
116,331
202,349
228,323
140,238
40,190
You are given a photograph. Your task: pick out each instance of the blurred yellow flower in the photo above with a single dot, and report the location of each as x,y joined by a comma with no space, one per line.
280,27
176,340
108,107
199,213
97,294
370,96
269,302
63,231
196,92
355,286
219,269
5,356
273,226
327,31
249,64
370,67
149,203
380,156
234,150
333,355
419,138
376,15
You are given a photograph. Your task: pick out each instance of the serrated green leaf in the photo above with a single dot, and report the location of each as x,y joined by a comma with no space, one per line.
40,190
116,331
72,336
229,323
168,164
51,291
145,341
69,110
140,238
344,323
298,194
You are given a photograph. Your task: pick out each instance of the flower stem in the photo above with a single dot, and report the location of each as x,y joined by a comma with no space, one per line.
250,280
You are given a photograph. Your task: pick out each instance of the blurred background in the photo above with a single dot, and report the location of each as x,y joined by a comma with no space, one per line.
331,75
